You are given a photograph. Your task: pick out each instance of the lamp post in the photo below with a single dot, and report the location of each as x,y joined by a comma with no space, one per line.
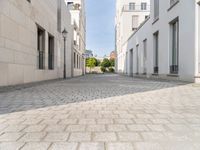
64,34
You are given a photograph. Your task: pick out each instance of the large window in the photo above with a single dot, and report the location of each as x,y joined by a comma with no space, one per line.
131,6
156,52
156,9
135,22
77,63
143,6
137,59
41,48
74,60
145,56
174,47
51,53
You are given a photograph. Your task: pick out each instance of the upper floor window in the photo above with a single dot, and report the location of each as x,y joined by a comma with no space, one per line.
156,9
143,6
131,6
135,22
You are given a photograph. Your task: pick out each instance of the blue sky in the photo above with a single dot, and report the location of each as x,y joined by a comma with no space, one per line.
100,35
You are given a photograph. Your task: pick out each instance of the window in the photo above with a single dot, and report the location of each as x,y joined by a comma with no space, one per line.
29,1
135,22
145,56
41,47
131,6
156,9
51,53
80,62
156,52
174,47
143,6
74,60
137,58
77,66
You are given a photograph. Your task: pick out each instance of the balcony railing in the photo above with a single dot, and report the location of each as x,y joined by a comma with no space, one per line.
129,8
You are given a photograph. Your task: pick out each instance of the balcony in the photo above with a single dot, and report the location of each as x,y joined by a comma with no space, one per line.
136,8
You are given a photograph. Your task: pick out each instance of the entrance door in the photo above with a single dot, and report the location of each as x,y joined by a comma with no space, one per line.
131,62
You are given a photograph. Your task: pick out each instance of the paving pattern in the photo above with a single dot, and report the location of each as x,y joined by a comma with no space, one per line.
101,112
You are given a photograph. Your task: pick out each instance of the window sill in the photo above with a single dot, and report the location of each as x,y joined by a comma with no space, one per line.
155,20
155,74
173,5
173,75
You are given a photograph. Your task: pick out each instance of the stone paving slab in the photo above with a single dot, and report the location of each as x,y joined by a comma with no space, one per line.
101,112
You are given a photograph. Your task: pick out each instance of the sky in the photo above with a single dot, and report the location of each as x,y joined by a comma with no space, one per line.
100,33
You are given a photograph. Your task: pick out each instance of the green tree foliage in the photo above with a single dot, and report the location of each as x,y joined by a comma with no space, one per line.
98,63
91,63
112,62
106,63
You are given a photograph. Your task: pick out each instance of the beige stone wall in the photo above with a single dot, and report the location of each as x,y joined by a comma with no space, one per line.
18,41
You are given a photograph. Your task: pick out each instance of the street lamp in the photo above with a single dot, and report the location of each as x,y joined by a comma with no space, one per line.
64,34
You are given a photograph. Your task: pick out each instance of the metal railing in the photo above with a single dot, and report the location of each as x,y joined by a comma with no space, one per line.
136,8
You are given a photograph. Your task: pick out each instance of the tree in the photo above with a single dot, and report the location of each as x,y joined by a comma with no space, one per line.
105,63
112,62
98,63
91,63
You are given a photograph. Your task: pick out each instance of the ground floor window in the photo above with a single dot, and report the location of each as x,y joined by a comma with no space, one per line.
156,52
145,56
174,47
74,60
41,48
137,58
51,53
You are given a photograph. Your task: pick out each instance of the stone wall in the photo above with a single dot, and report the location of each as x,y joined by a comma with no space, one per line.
18,41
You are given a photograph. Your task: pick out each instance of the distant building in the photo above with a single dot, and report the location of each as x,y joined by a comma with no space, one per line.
78,21
113,55
88,54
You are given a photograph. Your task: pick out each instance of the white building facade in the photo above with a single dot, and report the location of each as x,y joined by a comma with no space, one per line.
167,44
78,21
129,15
31,42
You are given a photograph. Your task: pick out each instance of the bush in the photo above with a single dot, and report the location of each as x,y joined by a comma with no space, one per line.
111,69
103,69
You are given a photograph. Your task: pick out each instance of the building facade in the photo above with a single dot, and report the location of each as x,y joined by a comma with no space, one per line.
129,15
78,21
167,44
31,41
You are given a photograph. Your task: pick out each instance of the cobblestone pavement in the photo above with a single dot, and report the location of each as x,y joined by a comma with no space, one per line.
101,112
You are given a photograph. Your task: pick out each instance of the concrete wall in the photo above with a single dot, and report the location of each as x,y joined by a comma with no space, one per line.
123,25
18,41
187,41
